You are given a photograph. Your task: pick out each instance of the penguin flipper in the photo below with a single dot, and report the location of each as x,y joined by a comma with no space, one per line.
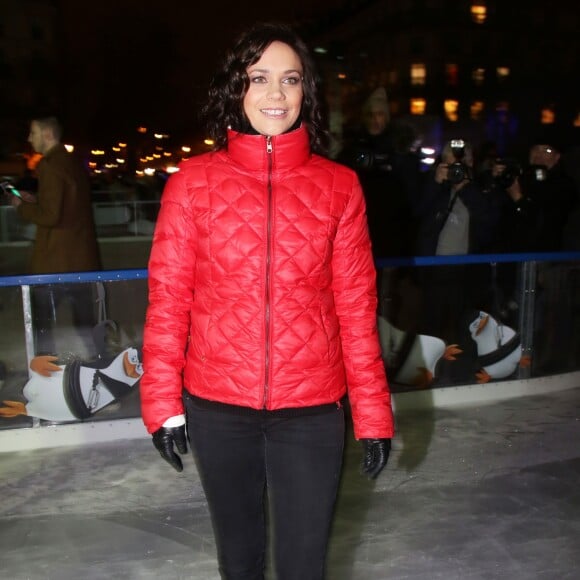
44,365
482,377
451,351
423,378
12,409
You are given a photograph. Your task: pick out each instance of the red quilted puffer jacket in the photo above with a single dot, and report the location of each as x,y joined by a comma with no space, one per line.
262,286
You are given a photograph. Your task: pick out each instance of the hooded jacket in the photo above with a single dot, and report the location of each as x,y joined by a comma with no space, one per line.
262,286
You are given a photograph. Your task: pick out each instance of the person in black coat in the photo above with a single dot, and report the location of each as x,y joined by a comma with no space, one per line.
380,151
546,182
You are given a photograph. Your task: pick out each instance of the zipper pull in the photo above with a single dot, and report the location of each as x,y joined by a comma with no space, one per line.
268,144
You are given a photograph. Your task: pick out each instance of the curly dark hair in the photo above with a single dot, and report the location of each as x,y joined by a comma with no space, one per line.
224,106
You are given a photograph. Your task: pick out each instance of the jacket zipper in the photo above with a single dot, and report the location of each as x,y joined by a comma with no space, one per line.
268,265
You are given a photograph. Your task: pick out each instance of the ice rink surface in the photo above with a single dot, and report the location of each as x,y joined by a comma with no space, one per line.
477,492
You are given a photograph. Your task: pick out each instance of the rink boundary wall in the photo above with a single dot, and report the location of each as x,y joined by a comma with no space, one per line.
82,433
61,435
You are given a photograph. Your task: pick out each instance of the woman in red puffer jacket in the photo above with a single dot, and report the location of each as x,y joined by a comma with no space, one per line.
262,314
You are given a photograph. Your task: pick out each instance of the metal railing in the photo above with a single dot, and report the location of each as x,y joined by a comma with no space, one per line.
112,219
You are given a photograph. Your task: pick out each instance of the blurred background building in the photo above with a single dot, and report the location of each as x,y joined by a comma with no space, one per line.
123,73
486,69
29,71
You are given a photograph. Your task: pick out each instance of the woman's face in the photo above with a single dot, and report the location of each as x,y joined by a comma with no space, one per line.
274,98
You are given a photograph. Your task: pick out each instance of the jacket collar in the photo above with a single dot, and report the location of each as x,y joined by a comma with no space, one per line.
55,151
288,150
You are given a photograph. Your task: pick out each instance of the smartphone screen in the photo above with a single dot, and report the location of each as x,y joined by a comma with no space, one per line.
7,187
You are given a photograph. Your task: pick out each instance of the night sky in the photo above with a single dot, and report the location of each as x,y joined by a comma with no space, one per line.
132,62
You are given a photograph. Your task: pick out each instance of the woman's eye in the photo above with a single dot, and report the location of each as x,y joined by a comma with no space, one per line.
291,81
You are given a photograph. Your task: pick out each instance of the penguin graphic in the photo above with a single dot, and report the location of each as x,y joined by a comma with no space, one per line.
411,359
499,349
77,390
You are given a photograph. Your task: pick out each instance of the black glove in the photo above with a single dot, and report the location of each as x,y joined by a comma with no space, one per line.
376,453
164,438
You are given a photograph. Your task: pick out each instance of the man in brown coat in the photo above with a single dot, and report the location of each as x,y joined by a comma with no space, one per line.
66,238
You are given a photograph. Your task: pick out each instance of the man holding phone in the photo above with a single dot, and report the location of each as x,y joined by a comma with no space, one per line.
66,238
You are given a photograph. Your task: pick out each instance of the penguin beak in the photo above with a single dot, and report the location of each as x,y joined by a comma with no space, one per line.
130,368
482,324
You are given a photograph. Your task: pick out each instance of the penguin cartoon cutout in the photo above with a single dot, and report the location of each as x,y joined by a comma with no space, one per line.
499,349
411,359
77,390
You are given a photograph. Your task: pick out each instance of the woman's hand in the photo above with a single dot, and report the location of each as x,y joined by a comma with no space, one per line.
375,456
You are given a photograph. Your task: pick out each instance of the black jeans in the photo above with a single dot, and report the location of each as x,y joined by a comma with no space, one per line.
248,460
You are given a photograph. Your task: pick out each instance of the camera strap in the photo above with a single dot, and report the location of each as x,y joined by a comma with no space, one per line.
448,211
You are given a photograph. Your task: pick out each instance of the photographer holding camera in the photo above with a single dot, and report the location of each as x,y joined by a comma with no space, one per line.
534,201
456,218
554,191
519,215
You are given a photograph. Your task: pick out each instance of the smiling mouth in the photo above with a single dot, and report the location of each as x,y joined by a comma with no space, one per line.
274,112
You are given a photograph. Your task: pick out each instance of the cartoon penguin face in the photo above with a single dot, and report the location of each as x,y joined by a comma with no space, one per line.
478,324
133,366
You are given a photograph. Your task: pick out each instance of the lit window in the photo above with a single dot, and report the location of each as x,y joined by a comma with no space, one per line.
478,11
576,121
502,72
548,116
418,74
451,107
417,106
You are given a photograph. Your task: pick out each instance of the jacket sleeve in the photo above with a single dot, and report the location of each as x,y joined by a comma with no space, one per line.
171,272
354,287
48,210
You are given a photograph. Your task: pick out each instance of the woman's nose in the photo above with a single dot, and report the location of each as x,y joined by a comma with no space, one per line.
275,91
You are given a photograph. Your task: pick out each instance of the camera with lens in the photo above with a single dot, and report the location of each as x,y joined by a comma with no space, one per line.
457,171
538,172
509,174
366,159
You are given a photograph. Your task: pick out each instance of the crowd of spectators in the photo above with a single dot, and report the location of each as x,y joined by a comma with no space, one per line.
472,200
